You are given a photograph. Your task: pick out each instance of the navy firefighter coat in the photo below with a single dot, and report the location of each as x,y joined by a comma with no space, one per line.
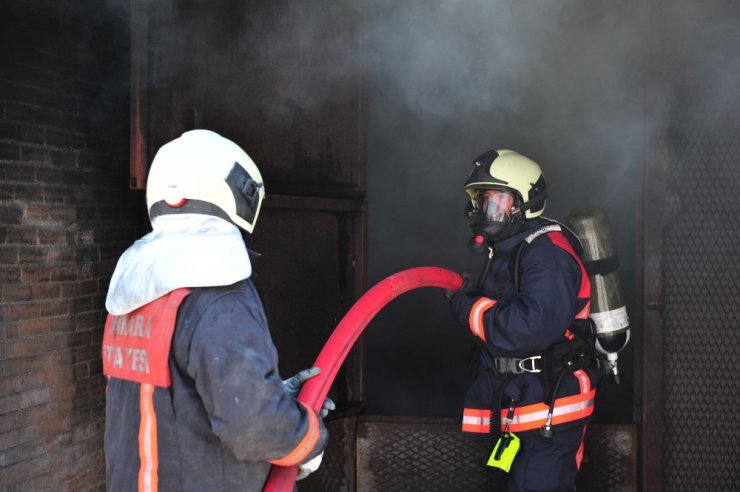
554,292
194,399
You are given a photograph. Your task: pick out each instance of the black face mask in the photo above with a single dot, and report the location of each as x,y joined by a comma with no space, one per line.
486,232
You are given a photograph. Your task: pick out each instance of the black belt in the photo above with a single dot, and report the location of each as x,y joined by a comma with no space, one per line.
517,365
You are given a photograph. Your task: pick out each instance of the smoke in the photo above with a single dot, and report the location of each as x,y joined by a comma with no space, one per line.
587,89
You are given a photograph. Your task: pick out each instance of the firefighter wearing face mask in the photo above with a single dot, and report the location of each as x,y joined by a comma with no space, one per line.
534,387
194,400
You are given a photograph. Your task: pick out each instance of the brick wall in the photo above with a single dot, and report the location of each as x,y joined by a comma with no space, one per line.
65,216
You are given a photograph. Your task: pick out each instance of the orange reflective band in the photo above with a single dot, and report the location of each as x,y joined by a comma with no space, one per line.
579,453
476,420
148,455
306,445
584,381
476,316
567,409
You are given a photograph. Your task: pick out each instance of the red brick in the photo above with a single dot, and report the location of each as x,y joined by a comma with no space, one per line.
32,273
15,292
10,151
48,377
10,274
46,290
60,255
43,446
35,155
27,328
83,304
8,254
8,422
47,428
18,401
86,287
30,346
21,311
88,321
21,235
66,273
33,254
65,140
52,236
10,385
67,289
89,353
36,212
8,440
54,308
11,213
62,392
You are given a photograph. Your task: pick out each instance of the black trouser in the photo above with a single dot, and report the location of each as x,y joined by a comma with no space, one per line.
547,464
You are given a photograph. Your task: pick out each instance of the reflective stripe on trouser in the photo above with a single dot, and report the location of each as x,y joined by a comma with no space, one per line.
567,408
148,453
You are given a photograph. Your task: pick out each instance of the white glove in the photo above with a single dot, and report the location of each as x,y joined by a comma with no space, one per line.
309,466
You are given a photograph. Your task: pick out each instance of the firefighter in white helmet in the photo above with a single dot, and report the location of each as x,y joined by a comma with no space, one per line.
194,399
534,388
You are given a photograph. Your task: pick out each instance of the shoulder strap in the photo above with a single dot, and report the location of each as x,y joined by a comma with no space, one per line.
526,242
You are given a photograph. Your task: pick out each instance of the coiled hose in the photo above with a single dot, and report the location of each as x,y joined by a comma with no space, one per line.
331,357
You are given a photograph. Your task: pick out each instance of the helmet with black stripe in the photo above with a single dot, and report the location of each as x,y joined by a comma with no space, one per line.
202,172
505,189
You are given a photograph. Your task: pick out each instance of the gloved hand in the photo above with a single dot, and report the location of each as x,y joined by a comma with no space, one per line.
309,466
462,301
466,284
293,386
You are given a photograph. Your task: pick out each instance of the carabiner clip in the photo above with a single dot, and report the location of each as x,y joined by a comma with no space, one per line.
531,360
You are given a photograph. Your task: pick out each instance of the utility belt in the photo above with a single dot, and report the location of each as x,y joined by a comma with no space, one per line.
569,355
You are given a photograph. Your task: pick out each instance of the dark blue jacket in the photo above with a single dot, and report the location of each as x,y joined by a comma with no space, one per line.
553,291
225,415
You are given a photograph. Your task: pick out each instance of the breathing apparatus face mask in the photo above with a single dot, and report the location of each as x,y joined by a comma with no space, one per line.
493,215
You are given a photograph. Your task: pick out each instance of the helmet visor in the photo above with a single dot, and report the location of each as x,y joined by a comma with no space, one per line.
495,205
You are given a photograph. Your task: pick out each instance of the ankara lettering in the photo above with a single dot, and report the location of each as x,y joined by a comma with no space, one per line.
132,326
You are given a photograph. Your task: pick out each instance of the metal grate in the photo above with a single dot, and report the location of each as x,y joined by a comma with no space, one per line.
400,454
609,459
701,275
336,473
418,455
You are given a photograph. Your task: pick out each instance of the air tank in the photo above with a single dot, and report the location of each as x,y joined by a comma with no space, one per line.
608,310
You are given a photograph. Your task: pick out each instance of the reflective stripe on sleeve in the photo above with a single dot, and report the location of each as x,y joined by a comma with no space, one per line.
476,420
476,316
148,455
304,448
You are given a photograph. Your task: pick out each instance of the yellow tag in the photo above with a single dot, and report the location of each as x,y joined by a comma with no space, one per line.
504,452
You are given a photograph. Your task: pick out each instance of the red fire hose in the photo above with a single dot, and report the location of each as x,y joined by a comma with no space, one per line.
314,391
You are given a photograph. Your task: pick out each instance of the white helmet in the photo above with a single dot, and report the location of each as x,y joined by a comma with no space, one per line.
202,172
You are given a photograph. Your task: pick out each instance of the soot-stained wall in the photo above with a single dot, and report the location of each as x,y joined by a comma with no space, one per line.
587,89
66,214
